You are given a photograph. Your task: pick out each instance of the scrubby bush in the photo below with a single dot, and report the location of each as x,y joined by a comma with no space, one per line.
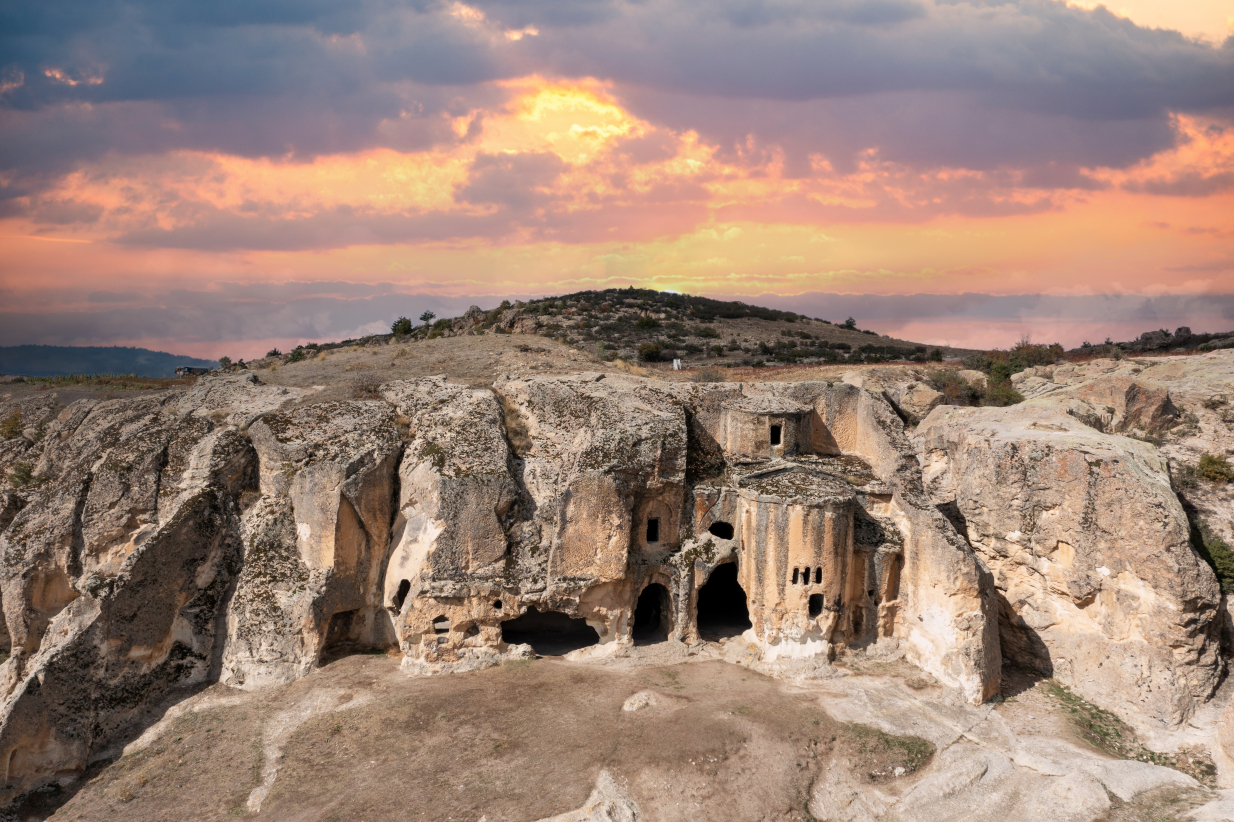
706,332
936,355
11,427
21,474
296,355
1213,550
274,352
650,352
708,375
955,389
400,327
224,363
646,323
717,351
1216,468
850,323
1000,393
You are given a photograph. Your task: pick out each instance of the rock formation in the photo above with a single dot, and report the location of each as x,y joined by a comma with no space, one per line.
242,533
1097,582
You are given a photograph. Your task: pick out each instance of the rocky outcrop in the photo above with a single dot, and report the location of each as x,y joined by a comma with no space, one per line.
241,533
1090,551
114,575
316,541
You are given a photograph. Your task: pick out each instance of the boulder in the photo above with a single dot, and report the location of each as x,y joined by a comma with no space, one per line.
914,398
977,379
1089,547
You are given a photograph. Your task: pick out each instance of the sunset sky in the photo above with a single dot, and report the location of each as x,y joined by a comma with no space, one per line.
217,178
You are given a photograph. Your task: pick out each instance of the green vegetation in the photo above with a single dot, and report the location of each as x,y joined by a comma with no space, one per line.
1109,734
955,389
21,474
427,317
274,352
650,352
887,753
400,327
296,355
11,427
646,322
1216,468
224,363
1213,550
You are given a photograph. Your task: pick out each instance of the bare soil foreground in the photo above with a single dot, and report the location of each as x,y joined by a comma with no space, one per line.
644,738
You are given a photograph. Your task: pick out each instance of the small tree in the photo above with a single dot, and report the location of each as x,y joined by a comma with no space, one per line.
427,317
224,363
274,352
850,323
400,327
936,355
650,352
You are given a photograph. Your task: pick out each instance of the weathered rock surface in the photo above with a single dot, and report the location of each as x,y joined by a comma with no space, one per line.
239,532
1090,550
316,541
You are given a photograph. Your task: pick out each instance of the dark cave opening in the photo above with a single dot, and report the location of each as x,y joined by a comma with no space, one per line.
723,530
551,633
722,610
651,622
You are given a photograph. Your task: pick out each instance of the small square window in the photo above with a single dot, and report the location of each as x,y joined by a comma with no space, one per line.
653,530
775,435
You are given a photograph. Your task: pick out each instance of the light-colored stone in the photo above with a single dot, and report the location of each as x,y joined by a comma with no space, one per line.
607,803
1062,514
977,379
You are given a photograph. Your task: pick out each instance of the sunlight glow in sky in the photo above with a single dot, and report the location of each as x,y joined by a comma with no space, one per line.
378,158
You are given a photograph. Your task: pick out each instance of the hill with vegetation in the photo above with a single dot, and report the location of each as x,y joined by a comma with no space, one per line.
661,326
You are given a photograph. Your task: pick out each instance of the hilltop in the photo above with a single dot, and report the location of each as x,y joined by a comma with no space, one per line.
659,326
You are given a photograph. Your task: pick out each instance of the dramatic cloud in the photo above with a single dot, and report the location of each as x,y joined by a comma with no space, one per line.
501,146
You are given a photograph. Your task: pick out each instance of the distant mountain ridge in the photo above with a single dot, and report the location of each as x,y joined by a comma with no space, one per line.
59,360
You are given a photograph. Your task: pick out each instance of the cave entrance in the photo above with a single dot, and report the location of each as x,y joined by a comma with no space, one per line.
651,615
551,633
722,610
342,636
723,530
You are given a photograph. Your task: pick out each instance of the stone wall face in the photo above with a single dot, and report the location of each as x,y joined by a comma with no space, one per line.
1089,547
274,534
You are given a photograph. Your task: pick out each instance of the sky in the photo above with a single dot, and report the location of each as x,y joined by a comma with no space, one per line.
221,178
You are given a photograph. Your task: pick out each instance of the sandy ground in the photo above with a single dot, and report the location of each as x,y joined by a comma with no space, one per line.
360,740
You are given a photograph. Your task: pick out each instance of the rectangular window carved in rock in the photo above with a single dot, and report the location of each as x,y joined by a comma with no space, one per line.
775,434
653,530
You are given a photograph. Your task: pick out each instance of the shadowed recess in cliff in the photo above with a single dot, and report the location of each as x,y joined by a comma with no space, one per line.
651,615
722,610
550,633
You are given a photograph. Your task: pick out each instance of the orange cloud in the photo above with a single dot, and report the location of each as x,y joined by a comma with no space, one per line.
561,187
